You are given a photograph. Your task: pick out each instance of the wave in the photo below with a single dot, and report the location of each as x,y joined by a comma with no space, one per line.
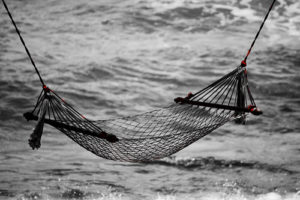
78,194
215,164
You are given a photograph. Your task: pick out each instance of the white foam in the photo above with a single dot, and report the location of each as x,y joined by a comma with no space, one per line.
212,196
234,196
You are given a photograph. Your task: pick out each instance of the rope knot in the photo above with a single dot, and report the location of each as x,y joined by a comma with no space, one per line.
243,63
46,89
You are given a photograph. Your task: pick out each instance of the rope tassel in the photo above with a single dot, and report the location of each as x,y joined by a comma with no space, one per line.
35,138
154,134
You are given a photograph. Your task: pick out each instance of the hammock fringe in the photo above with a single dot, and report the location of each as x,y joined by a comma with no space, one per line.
152,135
155,134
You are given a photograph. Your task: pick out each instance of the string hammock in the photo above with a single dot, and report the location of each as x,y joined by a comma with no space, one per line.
151,135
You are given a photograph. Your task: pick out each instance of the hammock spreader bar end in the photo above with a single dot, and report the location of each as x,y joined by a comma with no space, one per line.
30,116
254,110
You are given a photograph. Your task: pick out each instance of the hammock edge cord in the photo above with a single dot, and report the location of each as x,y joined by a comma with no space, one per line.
155,134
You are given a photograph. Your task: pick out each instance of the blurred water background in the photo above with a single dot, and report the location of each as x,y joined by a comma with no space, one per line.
113,58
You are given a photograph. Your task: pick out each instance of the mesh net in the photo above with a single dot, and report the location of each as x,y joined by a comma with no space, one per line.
154,134
150,135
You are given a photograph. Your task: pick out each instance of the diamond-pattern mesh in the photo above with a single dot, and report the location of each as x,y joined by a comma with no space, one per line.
154,134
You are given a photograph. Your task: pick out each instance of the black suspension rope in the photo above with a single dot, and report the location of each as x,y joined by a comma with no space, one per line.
23,42
38,73
257,34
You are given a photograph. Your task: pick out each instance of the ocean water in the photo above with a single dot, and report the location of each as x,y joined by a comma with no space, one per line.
114,58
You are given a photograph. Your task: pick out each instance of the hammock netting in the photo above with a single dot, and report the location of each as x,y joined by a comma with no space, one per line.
150,135
154,134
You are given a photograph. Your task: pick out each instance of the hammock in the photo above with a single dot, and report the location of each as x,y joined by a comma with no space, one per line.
151,135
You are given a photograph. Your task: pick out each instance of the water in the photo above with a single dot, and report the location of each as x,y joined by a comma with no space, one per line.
116,58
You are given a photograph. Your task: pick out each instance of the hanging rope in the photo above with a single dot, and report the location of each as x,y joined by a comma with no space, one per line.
152,135
244,62
23,42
